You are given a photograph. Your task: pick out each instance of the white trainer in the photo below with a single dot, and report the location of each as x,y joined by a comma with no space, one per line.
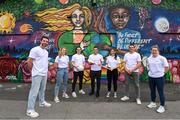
56,99
125,98
45,104
74,94
138,101
115,94
108,94
32,114
65,95
161,109
152,105
81,92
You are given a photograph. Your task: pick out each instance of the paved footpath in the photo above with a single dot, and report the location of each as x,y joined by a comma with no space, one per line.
13,103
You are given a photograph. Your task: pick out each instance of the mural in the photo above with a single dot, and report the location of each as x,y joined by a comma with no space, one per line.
84,23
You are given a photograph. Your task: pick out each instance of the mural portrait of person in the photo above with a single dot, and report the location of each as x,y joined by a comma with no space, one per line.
81,19
74,22
116,24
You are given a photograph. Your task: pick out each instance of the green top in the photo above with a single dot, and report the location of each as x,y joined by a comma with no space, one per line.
94,39
66,40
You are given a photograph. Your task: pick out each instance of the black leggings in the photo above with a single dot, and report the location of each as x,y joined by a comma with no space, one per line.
112,75
76,75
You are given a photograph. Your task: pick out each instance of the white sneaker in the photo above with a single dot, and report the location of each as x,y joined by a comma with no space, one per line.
45,104
138,101
125,98
32,114
108,94
56,99
161,109
74,94
115,95
81,92
152,105
65,95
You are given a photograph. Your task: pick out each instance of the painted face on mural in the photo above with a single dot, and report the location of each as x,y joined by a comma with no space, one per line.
78,18
120,17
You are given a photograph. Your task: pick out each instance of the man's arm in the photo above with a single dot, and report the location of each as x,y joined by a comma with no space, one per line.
166,65
138,65
73,64
166,69
30,63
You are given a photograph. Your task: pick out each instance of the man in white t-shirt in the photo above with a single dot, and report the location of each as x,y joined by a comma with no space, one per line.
95,60
132,63
78,62
38,62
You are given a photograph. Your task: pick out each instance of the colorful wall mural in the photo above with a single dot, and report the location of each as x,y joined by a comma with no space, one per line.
87,23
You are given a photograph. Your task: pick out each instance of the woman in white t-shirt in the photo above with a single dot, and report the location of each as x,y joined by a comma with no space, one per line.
158,66
62,63
78,62
112,62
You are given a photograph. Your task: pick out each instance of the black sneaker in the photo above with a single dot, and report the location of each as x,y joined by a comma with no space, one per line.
97,94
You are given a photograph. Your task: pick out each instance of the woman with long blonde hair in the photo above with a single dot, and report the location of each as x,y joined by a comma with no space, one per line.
75,20
62,63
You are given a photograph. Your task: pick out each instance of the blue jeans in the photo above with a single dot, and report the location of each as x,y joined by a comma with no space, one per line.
38,85
62,74
159,84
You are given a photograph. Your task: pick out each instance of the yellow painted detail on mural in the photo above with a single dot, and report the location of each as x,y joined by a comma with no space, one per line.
121,66
54,28
86,77
7,22
44,12
58,21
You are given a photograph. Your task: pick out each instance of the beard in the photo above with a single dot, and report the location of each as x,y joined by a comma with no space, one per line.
44,45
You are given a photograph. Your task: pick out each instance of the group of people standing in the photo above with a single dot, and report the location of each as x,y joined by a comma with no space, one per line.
38,62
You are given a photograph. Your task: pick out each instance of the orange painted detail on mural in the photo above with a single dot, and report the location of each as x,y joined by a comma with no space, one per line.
63,1
25,28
